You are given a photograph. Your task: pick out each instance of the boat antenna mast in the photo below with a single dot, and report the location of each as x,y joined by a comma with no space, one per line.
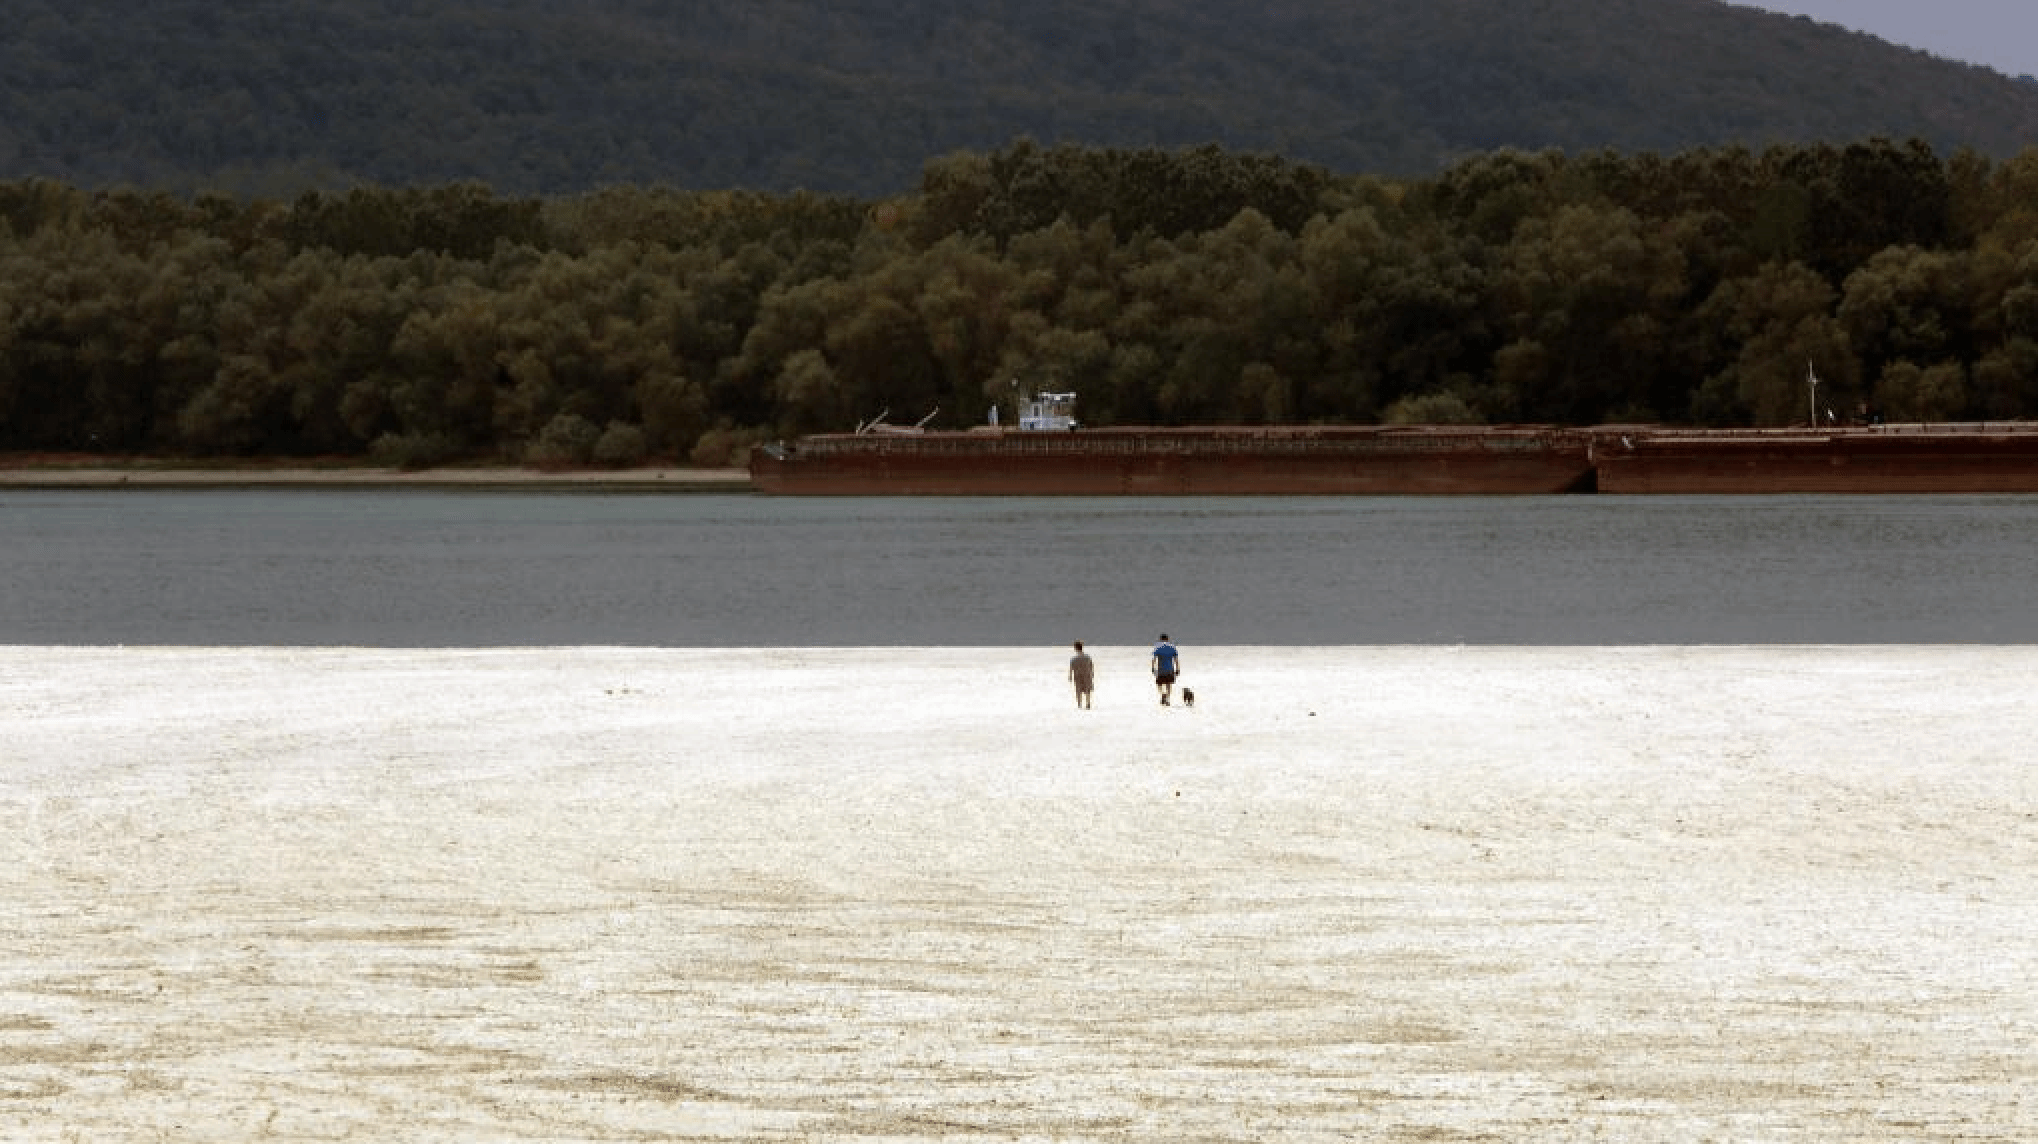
1812,379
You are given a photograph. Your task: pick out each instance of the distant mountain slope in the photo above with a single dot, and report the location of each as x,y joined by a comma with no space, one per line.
271,96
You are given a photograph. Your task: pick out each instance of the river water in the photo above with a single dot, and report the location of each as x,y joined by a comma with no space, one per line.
480,569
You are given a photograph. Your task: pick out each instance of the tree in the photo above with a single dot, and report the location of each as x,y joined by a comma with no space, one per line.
1907,303
809,397
2005,381
675,412
1490,195
1935,393
1867,197
567,439
241,409
447,359
1595,291
880,358
964,308
1432,409
1782,325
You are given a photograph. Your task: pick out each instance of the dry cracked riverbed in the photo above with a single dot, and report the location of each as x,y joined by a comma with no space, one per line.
1643,894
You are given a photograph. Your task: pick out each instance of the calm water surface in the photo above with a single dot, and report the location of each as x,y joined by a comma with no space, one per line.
458,569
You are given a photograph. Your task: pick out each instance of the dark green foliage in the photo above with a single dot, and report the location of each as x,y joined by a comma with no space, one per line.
418,327
1027,188
279,97
413,450
465,221
568,439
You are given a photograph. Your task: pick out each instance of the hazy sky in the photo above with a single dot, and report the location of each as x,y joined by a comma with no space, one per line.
2002,34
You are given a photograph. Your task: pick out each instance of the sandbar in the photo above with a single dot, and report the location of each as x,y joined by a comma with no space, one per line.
915,894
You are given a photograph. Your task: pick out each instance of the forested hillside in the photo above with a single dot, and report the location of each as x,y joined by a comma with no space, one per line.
271,97
424,325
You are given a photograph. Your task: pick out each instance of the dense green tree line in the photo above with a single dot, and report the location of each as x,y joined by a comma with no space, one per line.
424,325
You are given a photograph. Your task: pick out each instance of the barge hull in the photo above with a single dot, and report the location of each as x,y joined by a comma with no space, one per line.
1948,460
1995,457
1116,463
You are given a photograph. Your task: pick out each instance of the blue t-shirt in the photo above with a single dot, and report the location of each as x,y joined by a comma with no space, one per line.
1164,659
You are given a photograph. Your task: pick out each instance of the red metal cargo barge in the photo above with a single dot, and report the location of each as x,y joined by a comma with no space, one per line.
1049,455
1948,457
1240,460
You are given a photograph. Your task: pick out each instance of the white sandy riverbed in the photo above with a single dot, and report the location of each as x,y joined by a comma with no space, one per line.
1780,894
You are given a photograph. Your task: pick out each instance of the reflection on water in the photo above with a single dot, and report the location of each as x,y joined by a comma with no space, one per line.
417,569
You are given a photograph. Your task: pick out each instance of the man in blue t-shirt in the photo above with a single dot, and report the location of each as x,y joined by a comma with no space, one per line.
1167,663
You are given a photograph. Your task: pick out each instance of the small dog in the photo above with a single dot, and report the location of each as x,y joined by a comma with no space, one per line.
1188,697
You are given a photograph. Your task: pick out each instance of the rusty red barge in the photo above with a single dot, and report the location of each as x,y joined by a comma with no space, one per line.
1931,457
1241,460
1047,454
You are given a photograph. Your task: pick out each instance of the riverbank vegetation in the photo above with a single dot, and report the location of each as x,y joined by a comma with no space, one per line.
423,325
